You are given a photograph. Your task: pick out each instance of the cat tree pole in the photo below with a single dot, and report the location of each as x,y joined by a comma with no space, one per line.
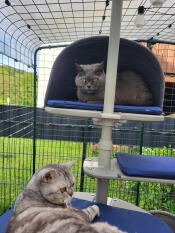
105,143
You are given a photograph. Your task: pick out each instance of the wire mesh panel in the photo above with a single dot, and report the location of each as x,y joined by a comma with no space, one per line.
16,128
166,55
27,24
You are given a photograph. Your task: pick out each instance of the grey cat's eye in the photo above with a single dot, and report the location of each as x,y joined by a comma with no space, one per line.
95,80
84,80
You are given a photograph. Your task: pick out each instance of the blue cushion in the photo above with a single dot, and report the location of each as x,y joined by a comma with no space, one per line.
4,219
147,165
151,110
126,220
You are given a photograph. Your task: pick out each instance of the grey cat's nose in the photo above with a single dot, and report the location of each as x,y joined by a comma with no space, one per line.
89,86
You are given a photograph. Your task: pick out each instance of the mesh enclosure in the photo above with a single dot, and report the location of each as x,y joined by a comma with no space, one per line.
16,128
31,138
28,24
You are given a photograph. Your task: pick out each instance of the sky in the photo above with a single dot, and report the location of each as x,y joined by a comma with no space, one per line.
4,60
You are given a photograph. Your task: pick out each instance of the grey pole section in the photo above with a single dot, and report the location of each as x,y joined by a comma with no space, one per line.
105,143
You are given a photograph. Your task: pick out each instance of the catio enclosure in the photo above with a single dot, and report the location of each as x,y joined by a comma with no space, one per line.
32,34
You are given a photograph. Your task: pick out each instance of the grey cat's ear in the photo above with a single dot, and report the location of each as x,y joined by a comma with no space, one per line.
101,65
49,176
78,67
69,164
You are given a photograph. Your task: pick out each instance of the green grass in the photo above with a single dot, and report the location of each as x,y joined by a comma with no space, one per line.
16,163
17,85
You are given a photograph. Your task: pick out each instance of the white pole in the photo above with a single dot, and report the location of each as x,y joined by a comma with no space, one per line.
105,143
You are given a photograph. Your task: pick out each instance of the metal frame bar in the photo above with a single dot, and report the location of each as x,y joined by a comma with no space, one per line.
35,97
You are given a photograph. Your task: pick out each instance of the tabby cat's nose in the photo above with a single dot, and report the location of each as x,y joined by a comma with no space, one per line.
70,192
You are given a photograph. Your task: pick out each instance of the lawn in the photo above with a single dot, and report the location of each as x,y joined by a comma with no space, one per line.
16,164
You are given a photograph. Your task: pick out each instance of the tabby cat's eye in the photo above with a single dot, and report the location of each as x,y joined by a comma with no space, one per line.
73,185
62,190
95,80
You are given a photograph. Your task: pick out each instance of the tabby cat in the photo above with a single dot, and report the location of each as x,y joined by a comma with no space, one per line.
130,88
44,205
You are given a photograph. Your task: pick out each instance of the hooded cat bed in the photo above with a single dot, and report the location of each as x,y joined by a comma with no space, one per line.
61,90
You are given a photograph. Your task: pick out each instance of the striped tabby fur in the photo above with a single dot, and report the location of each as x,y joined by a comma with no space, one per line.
44,206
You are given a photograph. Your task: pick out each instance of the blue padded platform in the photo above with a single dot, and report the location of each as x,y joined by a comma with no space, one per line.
99,107
4,219
147,165
126,220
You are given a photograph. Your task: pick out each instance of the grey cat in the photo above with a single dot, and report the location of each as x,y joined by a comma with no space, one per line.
44,205
130,88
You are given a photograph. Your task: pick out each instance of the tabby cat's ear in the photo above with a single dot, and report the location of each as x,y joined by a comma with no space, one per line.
78,67
49,176
69,164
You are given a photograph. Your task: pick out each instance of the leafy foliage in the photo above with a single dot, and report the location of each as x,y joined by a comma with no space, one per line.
17,85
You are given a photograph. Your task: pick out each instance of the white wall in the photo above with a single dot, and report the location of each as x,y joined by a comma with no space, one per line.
46,60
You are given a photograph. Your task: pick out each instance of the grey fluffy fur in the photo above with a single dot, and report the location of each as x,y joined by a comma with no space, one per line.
130,88
44,206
